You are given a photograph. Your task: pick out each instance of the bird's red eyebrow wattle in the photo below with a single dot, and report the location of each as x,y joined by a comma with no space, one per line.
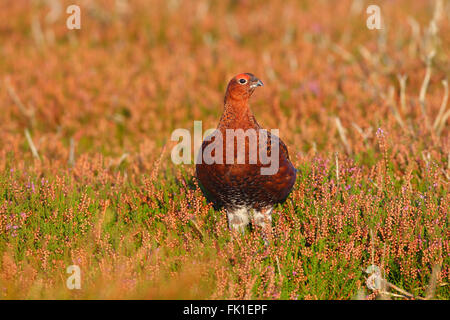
243,75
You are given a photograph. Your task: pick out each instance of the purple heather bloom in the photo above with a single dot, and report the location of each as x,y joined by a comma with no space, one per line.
380,132
314,87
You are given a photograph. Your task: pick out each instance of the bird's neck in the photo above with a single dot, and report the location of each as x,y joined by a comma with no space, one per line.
237,115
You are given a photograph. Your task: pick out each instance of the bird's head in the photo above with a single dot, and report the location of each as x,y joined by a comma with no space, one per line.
242,86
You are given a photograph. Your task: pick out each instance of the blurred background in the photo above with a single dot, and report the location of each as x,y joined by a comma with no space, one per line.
137,70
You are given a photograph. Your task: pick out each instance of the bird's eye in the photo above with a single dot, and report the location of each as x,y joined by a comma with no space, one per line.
242,81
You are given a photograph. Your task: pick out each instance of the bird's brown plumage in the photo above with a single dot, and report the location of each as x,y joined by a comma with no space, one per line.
242,186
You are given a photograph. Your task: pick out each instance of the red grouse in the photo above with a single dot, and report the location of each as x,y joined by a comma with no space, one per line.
247,189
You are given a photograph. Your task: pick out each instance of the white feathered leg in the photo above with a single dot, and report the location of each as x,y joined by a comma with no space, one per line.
263,219
238,219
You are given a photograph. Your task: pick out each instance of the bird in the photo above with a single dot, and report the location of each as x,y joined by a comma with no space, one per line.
246,194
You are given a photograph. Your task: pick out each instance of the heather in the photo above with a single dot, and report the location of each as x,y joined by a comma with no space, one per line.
86,176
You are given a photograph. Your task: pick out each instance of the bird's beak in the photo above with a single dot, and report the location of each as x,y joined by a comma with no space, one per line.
257,83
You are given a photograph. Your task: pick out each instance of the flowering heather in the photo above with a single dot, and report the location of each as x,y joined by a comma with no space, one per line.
86,176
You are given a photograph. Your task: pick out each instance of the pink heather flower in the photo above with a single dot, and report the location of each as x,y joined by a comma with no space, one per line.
380,132
314,87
